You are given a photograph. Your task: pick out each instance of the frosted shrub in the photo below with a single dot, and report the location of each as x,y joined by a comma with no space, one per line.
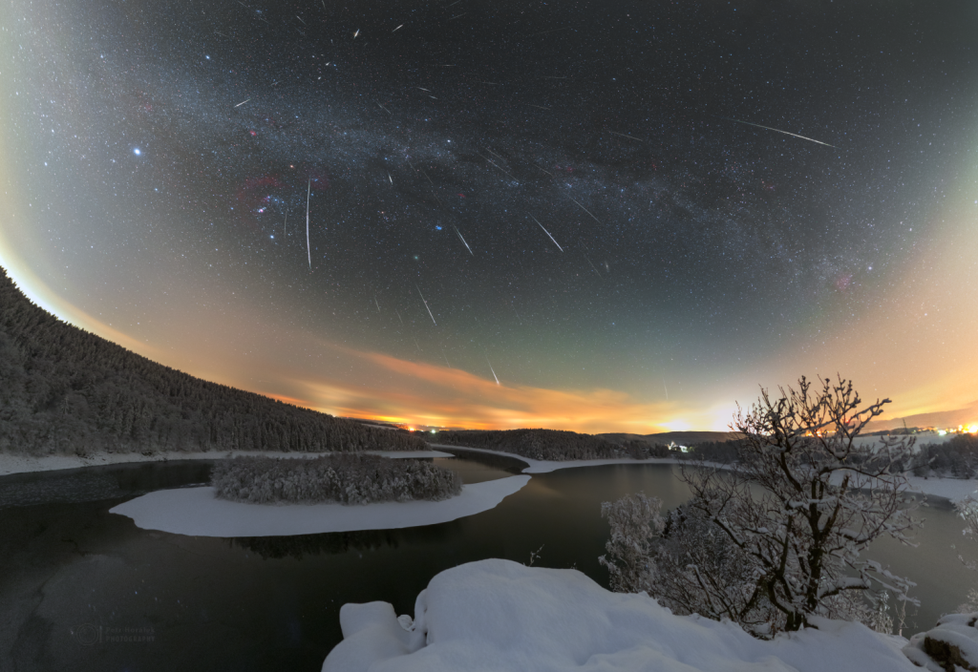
341,477
968,510
635,524
684,561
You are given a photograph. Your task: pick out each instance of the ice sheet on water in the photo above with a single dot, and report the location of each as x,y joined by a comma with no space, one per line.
197,512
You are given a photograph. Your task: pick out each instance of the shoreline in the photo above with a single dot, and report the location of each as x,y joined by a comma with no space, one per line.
950,489
21,464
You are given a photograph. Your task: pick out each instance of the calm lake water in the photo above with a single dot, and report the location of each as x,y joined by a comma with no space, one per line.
83,589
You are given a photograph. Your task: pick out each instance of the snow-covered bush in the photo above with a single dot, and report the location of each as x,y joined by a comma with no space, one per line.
968,510
685,561
635,524
342,477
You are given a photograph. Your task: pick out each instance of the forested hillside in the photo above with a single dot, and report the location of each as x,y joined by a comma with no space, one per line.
66,391
549,444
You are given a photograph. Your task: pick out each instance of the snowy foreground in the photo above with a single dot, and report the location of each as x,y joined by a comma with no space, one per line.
197,512
501,615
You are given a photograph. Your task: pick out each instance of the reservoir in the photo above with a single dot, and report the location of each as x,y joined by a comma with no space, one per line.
86,590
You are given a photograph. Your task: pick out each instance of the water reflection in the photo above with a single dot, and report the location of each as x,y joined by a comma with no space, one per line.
306,545
94,484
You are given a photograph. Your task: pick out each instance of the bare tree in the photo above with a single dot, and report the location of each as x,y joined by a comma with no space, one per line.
804,501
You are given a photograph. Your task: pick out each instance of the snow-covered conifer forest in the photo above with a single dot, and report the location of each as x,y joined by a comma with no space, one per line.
68,392
342,477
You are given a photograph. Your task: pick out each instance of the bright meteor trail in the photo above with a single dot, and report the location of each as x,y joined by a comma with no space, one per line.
426,305
459,234
308,247
547,232
493,370
778,130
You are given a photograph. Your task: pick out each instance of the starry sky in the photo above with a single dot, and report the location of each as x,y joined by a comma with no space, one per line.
597,216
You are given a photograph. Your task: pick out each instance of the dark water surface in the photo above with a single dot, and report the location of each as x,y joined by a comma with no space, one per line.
83,589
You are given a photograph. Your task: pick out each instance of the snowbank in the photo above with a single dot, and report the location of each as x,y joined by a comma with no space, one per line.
500,615
18,464
197,512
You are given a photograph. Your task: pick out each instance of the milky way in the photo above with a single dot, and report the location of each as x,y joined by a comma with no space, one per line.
608,202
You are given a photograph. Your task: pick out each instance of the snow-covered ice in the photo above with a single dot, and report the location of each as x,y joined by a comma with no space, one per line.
197,512
500,615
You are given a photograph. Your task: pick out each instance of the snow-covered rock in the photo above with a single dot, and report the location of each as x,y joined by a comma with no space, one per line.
500,615
952,645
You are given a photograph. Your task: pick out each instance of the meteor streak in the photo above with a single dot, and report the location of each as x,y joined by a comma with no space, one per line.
625,135
497,166
308,248
547,232
459,234
592,265
493,370
586,210
546,171
242,103
426,305
496,154
778,130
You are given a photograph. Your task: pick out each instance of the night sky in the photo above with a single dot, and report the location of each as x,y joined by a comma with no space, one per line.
600,216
